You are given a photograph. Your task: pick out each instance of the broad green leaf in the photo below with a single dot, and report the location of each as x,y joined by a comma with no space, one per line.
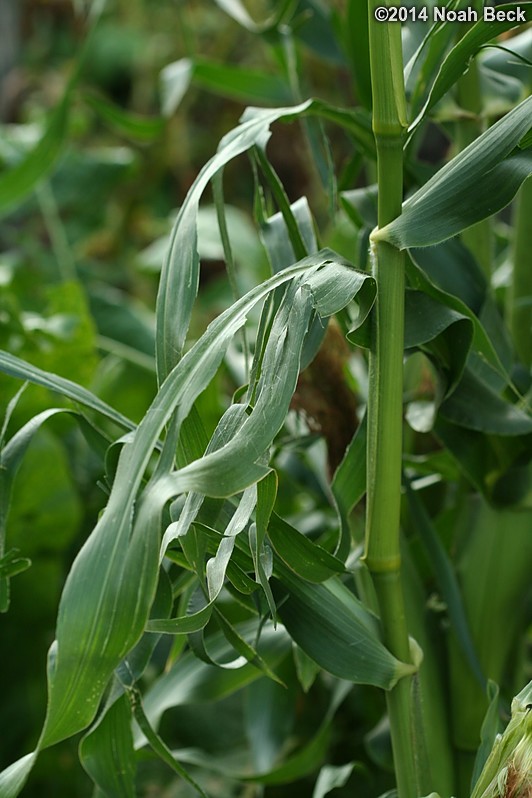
355,35
269,718
102,613
216,567
348,645
453,269
233,467
436,328
227,427
113,607
299,764
423,65
134,665
511,59
276,237
481,346
493,465
107,752
314,27
457,61
477,183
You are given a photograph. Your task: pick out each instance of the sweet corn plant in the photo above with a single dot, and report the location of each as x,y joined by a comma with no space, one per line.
309,567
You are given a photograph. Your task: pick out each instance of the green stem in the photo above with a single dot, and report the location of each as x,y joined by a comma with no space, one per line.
386,389
521,288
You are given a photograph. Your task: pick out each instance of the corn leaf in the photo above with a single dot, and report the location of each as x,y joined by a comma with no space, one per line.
348,645
23,370
180,274
477,183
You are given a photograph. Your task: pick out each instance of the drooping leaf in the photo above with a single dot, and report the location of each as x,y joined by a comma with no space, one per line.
23,370
180,273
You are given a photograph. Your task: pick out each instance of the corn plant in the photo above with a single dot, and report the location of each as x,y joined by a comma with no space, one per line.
324,580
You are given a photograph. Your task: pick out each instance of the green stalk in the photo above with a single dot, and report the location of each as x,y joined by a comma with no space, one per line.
521,288
382,553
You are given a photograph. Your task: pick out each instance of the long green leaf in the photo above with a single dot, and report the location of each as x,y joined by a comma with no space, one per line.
348,644
477,183
23,370
180,273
